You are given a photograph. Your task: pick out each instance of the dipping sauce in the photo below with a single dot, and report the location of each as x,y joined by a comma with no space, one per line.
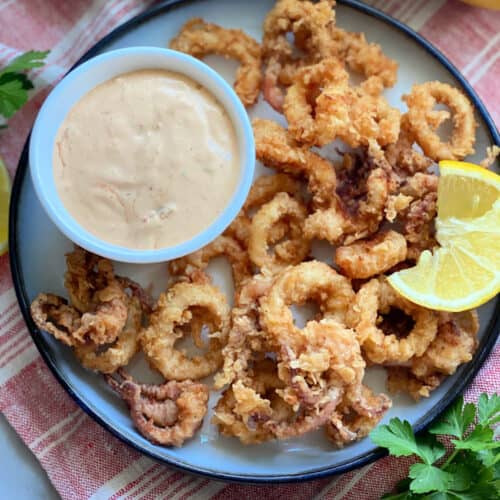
146,160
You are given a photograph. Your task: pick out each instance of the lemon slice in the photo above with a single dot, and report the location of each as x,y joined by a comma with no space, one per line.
464,272
4,207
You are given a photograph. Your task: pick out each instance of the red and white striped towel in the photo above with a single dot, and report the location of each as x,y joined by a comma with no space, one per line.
82,459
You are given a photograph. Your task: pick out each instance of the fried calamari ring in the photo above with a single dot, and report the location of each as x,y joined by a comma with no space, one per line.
166,414
358,413
454,345
368,258
424,120
107,359
171,313
375,297
321,106
276,148
246,338
310,24
262,191
295,285
365,58
292,251
222,246
199,38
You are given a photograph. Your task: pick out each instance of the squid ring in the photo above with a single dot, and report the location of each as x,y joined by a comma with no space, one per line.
292,251
221,246
295,285
173,311
368,258
378,296
199,38
423,120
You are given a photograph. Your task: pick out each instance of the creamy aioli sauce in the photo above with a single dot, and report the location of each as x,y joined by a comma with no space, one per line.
146,160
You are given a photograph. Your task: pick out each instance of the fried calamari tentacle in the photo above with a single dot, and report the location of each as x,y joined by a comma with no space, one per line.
492,153
358,413
368,258
292,251
375,297
351,217
321,106
199,260
310,24
454,345
250,402
295,285
107,359
199,38
263,190
246,338
322,361
166,414
172,311
424,120
52,314
276,148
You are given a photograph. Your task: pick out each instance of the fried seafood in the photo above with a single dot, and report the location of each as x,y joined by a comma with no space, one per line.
292,251
319,363
354,213
199,38
312,280
365,58
190,265
371,257
263,191
247,341
310,23
377,298
453,346
492,153
276,148
358,413
173,310
108,358
424,120
321,106
166,414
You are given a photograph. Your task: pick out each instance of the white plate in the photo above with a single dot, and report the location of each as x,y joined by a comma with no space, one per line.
37,257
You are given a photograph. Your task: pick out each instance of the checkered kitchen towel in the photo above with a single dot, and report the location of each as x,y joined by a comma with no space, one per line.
80,457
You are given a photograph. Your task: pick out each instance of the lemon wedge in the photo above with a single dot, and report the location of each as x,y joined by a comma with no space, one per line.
4,207
464,272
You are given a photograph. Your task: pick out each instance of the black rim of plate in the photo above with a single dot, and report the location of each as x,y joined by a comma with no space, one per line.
458,387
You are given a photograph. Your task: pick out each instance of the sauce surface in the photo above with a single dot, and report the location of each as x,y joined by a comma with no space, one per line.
146,160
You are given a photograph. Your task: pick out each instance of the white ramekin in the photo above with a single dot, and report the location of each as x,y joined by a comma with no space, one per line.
98,70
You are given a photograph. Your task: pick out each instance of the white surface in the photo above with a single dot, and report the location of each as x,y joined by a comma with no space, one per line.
21,476
42,250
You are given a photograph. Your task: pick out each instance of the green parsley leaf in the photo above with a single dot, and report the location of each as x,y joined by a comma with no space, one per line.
14,84
481,438
489,409
12,97
26,61
428,478
456,419
399,439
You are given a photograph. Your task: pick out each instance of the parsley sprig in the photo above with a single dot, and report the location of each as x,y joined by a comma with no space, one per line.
15,84
471,471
